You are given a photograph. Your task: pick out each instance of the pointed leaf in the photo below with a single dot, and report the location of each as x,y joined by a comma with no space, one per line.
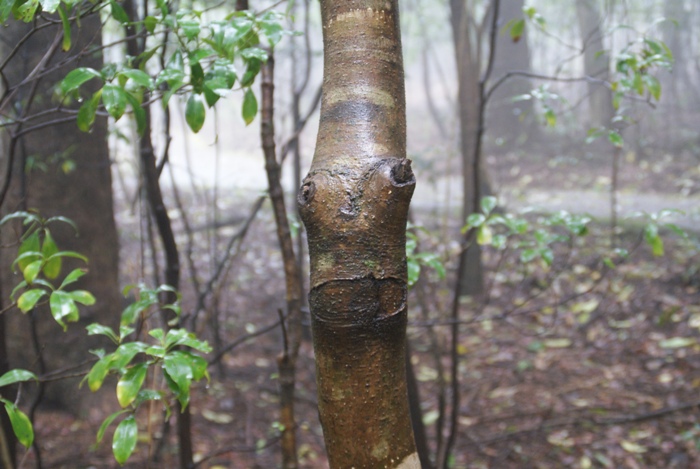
118,13
32,270
179,369
195,112
72,277
107,422
29,299
98,373
21,424
124,441
516,30
99,329
130,384
16,376
63,308
30,244
52,268
83,297
65,22
114,99
250,106
77,77
88,111
139,77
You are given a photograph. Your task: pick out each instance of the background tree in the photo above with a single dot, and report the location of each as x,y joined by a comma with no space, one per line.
596,62
57,170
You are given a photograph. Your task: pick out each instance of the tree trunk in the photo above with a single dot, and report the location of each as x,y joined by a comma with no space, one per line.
84,195
511,125
468,69
596,63
287,360
354,203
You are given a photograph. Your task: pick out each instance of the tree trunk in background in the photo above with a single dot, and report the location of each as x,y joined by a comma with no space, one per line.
596,63
510,125
84,195
354,203
468,70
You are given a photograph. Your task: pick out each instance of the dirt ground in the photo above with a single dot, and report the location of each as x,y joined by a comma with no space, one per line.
573,365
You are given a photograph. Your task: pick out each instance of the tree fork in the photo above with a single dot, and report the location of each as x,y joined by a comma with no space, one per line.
354,204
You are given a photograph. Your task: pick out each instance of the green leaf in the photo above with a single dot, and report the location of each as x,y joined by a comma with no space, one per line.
131,312
179,369
52,268
99,329
77,77
124,441
72,277
488,204
114,99
184,337
49,6
6,9
73,254
32,270
475,220
29,299
16,376
83,297
413,271
106,423
125,331
30,244
615,138
550,117
516,30
150,24
88,111
25,11
157,334
250,106
21,424
118,13
139,113
653,85
195,112
527,255
130,384
190,28
651,235
139,77
98,372
63,308
125,353
251,72
484,235
65,22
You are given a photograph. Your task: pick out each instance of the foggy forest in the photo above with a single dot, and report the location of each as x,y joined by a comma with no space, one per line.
437,234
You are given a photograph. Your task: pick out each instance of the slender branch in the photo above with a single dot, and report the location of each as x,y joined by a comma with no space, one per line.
242,340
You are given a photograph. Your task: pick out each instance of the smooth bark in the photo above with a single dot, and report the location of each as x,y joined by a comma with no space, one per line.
354,203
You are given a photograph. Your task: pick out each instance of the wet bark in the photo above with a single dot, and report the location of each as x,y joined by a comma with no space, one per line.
286,362
354,203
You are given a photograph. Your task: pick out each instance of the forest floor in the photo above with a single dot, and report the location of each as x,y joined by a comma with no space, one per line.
573,365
